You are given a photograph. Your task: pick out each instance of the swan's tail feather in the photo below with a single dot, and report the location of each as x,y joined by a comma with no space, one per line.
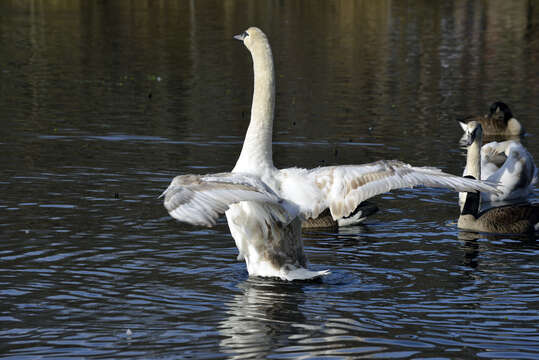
303,274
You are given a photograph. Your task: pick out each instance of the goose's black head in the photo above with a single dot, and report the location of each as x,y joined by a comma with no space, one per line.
498,108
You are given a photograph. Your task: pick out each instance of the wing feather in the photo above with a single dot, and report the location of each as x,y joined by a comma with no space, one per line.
510,164
201,199
343,188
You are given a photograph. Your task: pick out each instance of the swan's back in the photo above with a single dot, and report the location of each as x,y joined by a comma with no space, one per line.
516,174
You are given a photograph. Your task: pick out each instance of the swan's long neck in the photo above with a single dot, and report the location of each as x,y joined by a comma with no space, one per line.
256,152
473,170
473,159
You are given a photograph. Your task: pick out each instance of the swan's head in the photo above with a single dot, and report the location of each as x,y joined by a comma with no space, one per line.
253,38
473,132
500,109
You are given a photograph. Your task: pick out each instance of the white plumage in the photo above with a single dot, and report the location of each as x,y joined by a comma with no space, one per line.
264,206
506,163
516,174
200,200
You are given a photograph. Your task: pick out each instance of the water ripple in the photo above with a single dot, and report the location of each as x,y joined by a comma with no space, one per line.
97,123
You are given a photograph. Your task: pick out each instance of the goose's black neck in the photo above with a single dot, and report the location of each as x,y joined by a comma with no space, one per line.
471,204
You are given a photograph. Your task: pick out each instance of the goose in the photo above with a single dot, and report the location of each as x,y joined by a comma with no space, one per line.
325,220
507,163
508,219
264,206
499,121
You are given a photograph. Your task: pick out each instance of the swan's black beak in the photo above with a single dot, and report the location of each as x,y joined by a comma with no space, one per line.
470,137
241,36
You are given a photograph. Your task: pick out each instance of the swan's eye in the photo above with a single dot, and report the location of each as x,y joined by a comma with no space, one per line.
245,34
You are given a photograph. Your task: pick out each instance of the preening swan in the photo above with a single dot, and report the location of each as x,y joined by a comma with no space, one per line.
499,121
515,177
507,163
264,206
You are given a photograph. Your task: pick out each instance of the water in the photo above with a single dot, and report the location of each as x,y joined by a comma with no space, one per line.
103,103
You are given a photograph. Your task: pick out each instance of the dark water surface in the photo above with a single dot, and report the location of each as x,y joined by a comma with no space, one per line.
103,102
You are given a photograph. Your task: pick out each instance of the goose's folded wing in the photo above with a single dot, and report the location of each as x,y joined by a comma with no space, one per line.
200,199
345,187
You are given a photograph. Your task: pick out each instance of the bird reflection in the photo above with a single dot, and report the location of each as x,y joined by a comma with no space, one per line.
350,233
471,246
261,318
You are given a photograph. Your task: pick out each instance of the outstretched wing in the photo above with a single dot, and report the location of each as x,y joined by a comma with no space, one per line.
343,188
200,199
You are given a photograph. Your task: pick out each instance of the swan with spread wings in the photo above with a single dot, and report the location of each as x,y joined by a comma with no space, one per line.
265,206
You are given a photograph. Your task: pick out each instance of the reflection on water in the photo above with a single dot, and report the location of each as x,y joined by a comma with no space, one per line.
104,102
261,318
